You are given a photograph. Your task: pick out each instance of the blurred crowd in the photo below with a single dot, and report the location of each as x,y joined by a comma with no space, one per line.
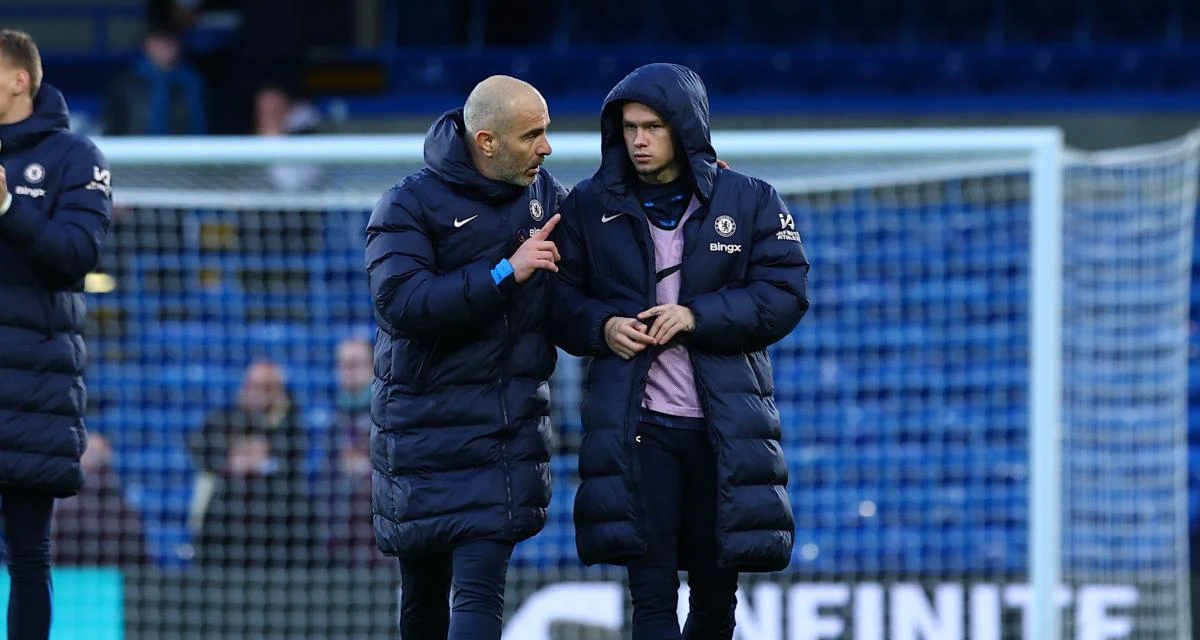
194,77
264,495
271,489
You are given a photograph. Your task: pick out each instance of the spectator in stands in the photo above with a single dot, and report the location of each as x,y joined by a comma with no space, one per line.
277,112
160,95
98,527
462,454
55,210
251,507
346,481
683,469
238,44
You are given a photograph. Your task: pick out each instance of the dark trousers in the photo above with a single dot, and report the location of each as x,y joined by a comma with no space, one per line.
679,499
27,515
477,571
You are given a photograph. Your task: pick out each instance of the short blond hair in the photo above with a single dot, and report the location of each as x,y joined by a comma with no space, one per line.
19,49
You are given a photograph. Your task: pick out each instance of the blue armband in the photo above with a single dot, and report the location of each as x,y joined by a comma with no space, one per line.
501,271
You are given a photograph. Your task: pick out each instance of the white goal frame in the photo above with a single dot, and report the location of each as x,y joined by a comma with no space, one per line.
1040,149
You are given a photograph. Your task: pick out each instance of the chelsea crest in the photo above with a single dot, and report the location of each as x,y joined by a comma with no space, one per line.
34,173
725,226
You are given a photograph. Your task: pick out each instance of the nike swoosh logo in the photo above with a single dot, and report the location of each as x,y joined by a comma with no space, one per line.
610,218
458,223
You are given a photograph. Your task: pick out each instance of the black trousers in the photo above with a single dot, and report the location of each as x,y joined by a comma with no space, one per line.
477,571
679,500
27,514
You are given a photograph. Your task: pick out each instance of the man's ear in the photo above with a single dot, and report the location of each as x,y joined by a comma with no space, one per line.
22,83
487,142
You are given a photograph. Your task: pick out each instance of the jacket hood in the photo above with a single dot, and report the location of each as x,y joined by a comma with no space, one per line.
676,93
447,156
49,116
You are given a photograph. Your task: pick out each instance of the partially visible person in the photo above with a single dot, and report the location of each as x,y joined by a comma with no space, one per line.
98,527
345,483
55,208
277,113
161,95
251,505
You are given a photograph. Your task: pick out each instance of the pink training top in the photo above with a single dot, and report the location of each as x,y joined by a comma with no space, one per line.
671,387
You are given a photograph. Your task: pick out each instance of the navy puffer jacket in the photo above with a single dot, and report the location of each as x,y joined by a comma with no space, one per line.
461,401
49,240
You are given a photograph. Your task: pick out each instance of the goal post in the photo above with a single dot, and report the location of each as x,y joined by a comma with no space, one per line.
922,197
1045,382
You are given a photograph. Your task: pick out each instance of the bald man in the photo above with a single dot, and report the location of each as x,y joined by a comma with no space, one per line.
458,257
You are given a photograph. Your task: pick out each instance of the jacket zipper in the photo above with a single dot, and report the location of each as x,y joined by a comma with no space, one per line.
702,390
706,405
710,430
502,386
641,378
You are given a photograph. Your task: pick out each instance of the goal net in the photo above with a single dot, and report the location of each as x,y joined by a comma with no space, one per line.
975,408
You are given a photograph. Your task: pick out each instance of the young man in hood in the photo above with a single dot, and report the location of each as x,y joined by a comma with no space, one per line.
458,259
676,275
55,206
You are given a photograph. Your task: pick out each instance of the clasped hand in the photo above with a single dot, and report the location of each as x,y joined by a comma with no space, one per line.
628,337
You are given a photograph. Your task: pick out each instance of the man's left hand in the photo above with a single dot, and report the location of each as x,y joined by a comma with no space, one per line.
669,319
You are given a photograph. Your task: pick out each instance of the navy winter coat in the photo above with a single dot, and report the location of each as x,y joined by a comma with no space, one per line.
49,240
461,400
744,276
